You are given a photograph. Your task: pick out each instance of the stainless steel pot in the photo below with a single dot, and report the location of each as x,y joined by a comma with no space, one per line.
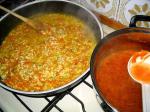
98,54
8,22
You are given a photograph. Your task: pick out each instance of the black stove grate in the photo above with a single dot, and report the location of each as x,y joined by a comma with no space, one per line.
53,103
11,4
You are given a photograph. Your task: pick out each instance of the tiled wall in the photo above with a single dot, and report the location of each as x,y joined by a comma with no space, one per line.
129,8
120,10
106,7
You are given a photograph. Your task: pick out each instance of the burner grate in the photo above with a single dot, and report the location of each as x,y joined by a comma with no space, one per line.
11,4
53,103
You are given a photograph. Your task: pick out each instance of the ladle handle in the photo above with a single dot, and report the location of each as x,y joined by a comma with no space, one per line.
26,20
146,97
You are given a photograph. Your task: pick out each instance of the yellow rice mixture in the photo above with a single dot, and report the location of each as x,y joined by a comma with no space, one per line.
33,62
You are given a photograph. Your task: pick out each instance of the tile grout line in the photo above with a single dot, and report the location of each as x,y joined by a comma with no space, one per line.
118,10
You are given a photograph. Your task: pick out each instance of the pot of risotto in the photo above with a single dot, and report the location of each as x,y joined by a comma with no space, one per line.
44,65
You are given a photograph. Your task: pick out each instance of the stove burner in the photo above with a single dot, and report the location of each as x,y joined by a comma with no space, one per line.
53,103
11,4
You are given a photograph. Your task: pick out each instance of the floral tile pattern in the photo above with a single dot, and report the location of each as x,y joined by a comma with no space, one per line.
100,3
107,7
120,10
144,9
130,8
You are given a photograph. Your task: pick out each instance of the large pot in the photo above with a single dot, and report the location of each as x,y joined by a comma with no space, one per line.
8,22
115,89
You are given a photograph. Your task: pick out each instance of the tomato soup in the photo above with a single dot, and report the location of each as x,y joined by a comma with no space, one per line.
112,78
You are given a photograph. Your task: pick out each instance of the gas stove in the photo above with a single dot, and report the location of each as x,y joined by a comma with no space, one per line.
11,4
79,99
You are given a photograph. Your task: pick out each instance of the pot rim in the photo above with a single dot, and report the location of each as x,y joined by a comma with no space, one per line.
99,45
69,85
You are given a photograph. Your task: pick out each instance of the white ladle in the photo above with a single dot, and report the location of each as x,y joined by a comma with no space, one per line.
145,88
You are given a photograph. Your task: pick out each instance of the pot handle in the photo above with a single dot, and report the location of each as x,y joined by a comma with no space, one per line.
106,108
137,18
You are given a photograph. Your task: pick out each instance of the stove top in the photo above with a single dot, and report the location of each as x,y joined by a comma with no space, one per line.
79,99
11,4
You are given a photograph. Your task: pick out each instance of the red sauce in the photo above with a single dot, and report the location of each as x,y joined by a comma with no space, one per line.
113,80
141,72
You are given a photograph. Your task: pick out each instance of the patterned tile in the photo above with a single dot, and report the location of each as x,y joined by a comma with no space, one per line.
129,8
106,7
120,10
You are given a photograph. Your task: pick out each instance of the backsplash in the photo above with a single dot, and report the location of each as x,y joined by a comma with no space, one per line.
120,10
